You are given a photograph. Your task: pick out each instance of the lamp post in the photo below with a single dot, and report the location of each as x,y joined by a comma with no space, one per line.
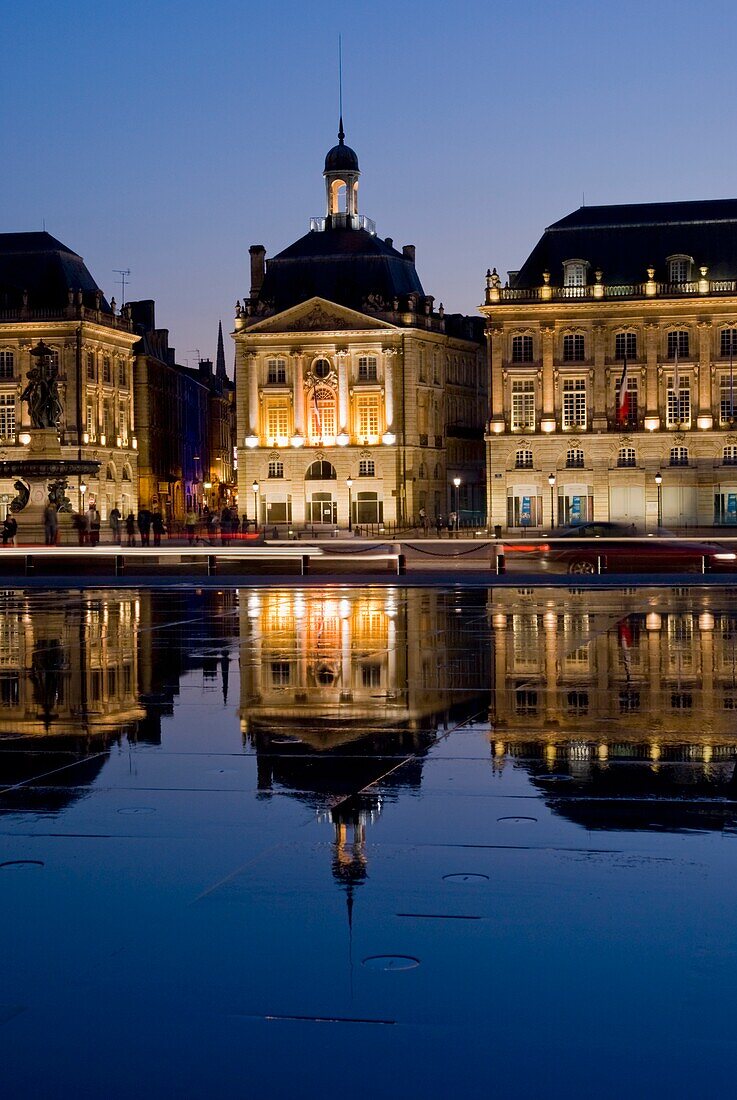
255,506
551,483
457,483
349,483
82,491
659,483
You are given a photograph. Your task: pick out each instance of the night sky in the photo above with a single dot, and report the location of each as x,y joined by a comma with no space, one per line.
167,137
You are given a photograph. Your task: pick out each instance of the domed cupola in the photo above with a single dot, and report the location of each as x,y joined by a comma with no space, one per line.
341,183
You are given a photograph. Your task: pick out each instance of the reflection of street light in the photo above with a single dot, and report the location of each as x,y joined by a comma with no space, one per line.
551,483
255,505
457,483
349,483
659,482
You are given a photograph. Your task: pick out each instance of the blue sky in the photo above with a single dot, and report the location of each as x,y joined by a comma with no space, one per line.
166,137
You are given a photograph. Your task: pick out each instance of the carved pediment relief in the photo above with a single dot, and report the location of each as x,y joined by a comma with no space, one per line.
318,315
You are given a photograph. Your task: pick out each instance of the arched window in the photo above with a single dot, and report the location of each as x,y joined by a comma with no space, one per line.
679,268
679,456
574,459
625,345
422,471
322,414
729,455
626,457
111,471
321,471
574,272
523,460
126,472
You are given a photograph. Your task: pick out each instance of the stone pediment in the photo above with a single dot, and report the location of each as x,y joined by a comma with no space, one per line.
318,315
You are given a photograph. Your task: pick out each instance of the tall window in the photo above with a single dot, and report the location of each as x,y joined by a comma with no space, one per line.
276,469
107,375
367,368
107,421
276,372
679,456
630,420
277,422
523,460
122,373
367,468
574,459
91,422
574,403
523,404
728,399
90,366
728,342
322,414
729,455
678,341
7,415
626,457
574,273
6,364
522,349
625,345
123,421
574,348
367,418
679,405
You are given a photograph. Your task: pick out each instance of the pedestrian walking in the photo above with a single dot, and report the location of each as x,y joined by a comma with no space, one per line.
235,524
130,529
439,525
51,525
114,519
423,520
10,529
93,524
225,526
157,524
144,526
190,524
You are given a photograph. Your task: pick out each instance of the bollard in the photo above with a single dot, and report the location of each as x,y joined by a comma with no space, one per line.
305,564
30,566
400,566
500,562
119,565
212,565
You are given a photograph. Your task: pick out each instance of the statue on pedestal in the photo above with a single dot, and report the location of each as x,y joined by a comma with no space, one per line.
42,390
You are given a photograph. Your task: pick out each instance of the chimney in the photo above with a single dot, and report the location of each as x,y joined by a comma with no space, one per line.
390,242
408,251
258,266
143,315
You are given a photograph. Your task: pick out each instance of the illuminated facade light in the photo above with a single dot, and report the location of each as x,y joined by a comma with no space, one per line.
252,441
24,438
388,438
298,440
342,439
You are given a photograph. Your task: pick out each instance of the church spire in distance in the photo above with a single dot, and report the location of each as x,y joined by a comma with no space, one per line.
220,371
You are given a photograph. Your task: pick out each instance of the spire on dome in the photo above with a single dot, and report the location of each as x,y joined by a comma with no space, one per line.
341,131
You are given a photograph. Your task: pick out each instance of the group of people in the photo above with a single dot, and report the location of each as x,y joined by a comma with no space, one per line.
146,523
228,523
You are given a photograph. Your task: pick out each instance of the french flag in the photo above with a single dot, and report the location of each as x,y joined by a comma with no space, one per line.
623,408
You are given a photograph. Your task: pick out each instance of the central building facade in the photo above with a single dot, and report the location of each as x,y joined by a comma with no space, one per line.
358,403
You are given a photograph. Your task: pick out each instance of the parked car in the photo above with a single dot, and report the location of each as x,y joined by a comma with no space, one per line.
619,548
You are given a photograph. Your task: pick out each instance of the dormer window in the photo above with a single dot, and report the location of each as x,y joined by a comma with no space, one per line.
574,272
679,269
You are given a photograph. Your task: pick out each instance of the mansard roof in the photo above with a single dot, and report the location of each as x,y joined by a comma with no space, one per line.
44,268
346,266
623,241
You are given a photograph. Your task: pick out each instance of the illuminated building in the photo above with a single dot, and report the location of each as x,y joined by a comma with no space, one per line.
345,370
655,284
47,293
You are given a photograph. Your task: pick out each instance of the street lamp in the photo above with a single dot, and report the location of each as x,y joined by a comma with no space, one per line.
551,483
255,505
659,482
82,491
349,483
457,483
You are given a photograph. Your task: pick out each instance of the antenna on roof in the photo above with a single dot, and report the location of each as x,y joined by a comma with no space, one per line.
583,198
44,224
341,135
123,276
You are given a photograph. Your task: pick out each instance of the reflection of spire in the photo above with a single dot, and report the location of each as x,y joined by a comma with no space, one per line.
225,673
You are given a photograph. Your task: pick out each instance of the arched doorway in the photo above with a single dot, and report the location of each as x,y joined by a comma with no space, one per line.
320,503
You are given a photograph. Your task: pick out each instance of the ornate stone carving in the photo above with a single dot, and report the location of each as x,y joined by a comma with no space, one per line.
318,318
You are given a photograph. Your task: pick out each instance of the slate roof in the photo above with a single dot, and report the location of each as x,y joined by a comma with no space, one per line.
44,267
623,241
345,266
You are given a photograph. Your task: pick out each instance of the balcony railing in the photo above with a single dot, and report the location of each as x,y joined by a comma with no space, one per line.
649,289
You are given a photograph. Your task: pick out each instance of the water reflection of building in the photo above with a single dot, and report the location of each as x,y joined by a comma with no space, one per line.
578,692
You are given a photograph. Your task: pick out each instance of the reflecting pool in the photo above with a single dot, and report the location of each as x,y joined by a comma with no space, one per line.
406,841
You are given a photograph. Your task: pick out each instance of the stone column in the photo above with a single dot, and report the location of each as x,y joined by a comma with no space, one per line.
342,356
495,344
601,389
652,404
705,395
546,338
298,387
252,368
388,387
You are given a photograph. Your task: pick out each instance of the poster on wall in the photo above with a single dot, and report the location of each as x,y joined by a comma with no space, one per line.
575,509
732,508
525,516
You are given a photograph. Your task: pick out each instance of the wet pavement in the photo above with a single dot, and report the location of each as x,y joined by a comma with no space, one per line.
395,841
